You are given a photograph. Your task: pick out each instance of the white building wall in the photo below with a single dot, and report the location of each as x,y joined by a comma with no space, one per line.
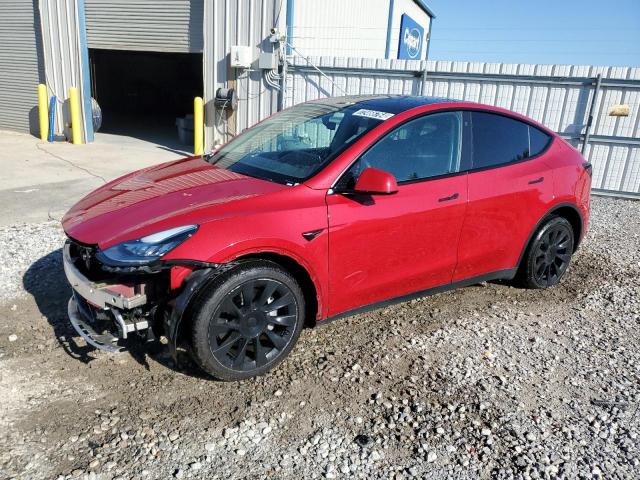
353,28
339,28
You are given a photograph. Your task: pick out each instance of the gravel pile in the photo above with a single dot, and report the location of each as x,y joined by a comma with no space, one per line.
20,247
489,381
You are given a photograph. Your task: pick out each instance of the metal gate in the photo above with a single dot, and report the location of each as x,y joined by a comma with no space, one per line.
21,67
572,100
148,25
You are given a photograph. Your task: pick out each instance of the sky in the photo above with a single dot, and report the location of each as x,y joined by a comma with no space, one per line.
579,32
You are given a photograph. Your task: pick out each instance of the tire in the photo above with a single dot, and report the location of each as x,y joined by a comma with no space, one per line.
236,332
548,254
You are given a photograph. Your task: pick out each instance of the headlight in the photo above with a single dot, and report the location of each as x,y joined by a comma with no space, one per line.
146,249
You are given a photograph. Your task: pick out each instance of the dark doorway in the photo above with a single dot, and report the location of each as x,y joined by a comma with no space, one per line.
141,94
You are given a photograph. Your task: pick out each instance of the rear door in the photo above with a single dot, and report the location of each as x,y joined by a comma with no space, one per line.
510,188
385,246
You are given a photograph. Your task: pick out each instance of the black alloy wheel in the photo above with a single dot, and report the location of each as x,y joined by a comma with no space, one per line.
253,324
549,254
249,322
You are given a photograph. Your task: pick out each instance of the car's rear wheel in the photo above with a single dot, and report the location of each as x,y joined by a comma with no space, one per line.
248,321
548,254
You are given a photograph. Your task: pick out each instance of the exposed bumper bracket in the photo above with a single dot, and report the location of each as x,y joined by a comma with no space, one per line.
105,342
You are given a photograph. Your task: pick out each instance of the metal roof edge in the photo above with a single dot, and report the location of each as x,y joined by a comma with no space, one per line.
425,7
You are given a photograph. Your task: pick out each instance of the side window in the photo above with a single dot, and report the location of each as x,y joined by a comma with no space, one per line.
538,140
497,140
422,148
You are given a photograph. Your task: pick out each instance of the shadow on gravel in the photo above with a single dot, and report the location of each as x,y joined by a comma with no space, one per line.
159,353
46,282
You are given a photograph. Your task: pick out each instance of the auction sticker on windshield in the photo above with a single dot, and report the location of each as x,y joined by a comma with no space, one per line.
363,112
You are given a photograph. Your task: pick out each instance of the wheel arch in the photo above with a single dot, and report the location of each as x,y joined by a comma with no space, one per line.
573,215
567,210
200,280
311,293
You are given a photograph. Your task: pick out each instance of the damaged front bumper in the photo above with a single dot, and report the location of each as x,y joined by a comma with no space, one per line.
105,312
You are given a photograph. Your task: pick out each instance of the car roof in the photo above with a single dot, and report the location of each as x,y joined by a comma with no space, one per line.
386,103
396,104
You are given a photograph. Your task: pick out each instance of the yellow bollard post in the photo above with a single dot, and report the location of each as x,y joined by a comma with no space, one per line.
43,110
198,126
76,125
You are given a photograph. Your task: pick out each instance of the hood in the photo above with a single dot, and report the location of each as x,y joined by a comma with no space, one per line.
157,198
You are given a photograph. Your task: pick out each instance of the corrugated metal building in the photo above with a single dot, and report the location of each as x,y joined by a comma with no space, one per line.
145,60
145,25
21,67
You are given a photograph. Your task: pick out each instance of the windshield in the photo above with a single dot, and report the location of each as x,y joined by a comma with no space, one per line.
294,145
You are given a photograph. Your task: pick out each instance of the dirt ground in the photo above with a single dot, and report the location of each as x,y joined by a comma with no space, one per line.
489,381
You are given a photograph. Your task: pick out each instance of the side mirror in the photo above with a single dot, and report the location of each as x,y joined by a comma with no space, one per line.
374,181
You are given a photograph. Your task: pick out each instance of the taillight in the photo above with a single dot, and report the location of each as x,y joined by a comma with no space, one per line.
588,167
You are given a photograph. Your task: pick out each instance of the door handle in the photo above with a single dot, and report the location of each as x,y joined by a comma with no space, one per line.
450,197
537,180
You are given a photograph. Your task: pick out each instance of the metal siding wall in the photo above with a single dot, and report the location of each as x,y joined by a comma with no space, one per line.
309,85
62,59
149,25
560,106
21,67
237,22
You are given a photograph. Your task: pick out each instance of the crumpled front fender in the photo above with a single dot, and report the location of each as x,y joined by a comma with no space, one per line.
196,283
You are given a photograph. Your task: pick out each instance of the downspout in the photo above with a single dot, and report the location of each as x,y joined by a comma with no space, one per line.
387,50
290,26
284,50
283,81
85,77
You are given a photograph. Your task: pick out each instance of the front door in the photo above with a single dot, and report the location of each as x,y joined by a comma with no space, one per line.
385,246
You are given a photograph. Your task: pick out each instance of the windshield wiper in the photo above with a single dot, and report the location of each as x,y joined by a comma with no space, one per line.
207,157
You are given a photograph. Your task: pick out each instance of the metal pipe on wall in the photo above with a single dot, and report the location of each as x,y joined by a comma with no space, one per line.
587,132
426,57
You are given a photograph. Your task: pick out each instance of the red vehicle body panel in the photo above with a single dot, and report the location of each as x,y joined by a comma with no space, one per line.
369,249
391,245
504,206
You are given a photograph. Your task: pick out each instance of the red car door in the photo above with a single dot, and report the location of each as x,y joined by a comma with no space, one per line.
385,246
510,189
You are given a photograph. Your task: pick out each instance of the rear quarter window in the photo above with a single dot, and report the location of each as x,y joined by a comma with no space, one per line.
538,141
500,140
497,140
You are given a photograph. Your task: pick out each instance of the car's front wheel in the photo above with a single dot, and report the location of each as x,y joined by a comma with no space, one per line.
248,321
548,254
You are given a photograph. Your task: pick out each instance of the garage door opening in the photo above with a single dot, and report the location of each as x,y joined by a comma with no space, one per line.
141,94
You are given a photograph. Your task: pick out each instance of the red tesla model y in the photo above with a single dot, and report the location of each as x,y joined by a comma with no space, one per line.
319,211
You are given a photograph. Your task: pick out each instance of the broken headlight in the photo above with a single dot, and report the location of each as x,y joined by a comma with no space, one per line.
146,249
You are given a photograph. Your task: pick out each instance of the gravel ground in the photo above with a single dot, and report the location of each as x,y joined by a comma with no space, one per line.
485,382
